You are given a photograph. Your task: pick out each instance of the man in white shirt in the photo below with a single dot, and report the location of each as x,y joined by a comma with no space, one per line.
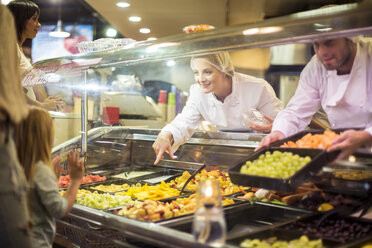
339,79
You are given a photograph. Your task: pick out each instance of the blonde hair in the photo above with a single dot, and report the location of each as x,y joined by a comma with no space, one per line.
34,140
13,105
221,61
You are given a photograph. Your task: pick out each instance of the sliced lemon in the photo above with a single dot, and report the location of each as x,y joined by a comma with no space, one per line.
325,207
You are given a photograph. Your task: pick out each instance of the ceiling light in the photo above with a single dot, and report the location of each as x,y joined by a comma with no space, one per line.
59,31
151,38
122,4
145,30
111,32
135,19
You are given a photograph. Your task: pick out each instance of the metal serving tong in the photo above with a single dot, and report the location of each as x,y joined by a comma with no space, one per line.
183,165
191,177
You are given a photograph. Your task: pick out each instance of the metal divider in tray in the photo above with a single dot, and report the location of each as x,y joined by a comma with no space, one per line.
335,230
113,181
318,159
166,174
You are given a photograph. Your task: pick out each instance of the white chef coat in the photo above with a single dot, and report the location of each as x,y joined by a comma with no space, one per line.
247,92
25,67
346,99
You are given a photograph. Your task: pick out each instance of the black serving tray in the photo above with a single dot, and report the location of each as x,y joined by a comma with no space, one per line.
305,225
293,230
330,155
318,159
279,234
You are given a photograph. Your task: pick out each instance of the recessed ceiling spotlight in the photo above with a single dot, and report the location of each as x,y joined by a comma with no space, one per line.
135,19
145,30
110,32
122,4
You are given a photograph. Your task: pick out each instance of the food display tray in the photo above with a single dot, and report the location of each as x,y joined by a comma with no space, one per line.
318,159
280,234
315,199
243,218
330,155
342,186
88,184
177,219
166,175
116,181
289,230
339,233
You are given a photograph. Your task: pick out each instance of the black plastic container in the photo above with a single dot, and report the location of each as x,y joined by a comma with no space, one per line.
243,218
318,159
330,155
294,229
279,234
346,230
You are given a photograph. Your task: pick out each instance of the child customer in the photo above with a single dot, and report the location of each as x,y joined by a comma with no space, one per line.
34,141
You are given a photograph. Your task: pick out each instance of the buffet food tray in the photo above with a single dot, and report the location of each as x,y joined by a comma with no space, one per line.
151,173
176,219
359,188
311,200
280,234
85,183
330,155
318,159
244,217
333,230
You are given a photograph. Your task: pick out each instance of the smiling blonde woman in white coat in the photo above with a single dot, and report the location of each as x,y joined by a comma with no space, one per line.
221,96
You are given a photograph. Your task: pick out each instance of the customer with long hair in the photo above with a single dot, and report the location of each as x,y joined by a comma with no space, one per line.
34,141
14,215
26,16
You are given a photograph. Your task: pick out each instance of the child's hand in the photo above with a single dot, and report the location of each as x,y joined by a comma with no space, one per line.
57,167
76,166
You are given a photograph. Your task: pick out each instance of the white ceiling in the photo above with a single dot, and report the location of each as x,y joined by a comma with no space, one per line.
168,17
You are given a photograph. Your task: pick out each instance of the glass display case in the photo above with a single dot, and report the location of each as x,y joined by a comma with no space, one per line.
111,115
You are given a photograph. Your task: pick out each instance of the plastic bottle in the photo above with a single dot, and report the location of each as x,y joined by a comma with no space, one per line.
171,111
162,104
209,226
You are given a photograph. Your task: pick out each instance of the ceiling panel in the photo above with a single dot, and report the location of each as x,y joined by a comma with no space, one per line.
163,17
